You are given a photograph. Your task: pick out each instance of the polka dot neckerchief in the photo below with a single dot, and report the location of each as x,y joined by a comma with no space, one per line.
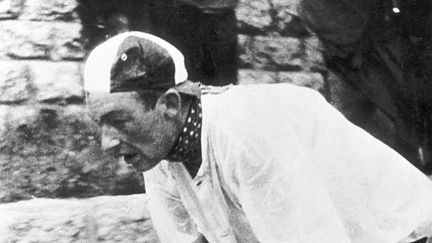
188,147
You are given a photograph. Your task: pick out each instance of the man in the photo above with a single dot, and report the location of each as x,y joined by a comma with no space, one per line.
262,163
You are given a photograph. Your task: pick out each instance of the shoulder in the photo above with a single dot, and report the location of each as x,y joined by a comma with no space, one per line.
262,117
260,93
251,104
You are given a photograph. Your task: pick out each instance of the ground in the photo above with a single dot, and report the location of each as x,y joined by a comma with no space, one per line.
98,219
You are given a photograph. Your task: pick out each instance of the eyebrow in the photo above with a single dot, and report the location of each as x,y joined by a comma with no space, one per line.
116,114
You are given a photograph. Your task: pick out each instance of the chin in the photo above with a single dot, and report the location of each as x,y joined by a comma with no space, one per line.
140,162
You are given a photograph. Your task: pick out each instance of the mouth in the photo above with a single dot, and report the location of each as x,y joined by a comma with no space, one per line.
139,161
132,158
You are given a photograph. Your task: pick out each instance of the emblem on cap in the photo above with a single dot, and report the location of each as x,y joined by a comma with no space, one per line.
141,64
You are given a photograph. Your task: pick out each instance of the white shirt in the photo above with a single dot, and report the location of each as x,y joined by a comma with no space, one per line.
280,164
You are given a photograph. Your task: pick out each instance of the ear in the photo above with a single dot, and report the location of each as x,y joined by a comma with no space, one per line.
169,104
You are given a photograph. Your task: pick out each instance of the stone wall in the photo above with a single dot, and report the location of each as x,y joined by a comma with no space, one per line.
274,46
49,145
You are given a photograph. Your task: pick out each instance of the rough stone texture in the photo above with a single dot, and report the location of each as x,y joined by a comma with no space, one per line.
254,15
280,53
311,80
50,10
100,219
286,18
278,17
53,151
10,9
40,80
15,82
270,53
306,79
40,40
284,7
250,76
67,44
26,39
313,59
57,81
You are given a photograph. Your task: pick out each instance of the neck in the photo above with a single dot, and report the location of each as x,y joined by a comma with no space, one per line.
187,148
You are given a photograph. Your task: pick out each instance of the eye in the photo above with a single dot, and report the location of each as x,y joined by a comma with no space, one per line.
124,57
117,119
119,122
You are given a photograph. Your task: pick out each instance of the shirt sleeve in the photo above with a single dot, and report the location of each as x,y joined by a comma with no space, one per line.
170,218
283,203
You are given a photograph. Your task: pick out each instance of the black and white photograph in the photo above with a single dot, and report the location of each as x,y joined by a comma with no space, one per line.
216,121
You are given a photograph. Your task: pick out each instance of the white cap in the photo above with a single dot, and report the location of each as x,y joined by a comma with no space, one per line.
98,66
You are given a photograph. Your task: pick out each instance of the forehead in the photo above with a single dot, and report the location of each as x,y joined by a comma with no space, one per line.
100,104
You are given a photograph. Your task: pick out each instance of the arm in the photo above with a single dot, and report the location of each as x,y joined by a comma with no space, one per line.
169,216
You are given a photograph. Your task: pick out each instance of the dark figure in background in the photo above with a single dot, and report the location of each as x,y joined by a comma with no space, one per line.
381,55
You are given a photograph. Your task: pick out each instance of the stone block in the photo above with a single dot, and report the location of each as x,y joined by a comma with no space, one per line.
284,7
26,40
271,53
43,10
313,58
310,80
10,9
67,44
15,82
284,53
286,18
41,40
57,81
54,151
249,76
253,15
99,219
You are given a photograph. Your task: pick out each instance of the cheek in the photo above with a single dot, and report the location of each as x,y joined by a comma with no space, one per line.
155,137
139,134
162,140
146,132
159,135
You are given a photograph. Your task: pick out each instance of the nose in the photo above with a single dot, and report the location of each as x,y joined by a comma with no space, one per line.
109,138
